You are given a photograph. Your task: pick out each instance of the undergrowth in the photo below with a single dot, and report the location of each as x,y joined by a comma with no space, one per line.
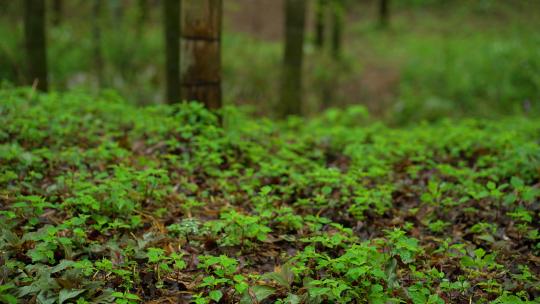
105,202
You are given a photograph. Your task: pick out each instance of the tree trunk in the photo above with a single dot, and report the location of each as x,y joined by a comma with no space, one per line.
117,9
256,23
291,87
96,35
142,16
320,18
171,17
384,13
201,52
35,42
57,12
338,19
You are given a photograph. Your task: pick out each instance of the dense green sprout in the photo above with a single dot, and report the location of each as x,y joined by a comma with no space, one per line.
102,201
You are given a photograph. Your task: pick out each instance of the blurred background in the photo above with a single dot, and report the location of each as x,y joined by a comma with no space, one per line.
420,60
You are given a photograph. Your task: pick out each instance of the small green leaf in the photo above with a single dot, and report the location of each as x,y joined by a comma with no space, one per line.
131,296
215,295
261,292
517,182
8,299
66,294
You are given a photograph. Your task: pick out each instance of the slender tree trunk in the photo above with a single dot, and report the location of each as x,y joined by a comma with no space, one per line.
96,35
338,19
5,4
256,23
201,51
291,86
35,42
142,16
57,12
384,13
320,18
171,17
117,9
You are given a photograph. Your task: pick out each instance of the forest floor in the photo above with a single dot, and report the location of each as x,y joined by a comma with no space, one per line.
102,201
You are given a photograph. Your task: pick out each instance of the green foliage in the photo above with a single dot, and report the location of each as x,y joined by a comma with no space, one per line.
465,81
125,298
103,202
237,228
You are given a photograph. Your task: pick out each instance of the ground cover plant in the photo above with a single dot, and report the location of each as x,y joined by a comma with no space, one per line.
104,202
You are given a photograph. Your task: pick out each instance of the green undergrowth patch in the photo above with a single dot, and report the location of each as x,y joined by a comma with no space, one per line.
104,202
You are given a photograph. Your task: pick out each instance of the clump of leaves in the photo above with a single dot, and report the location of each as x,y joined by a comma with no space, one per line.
238,228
